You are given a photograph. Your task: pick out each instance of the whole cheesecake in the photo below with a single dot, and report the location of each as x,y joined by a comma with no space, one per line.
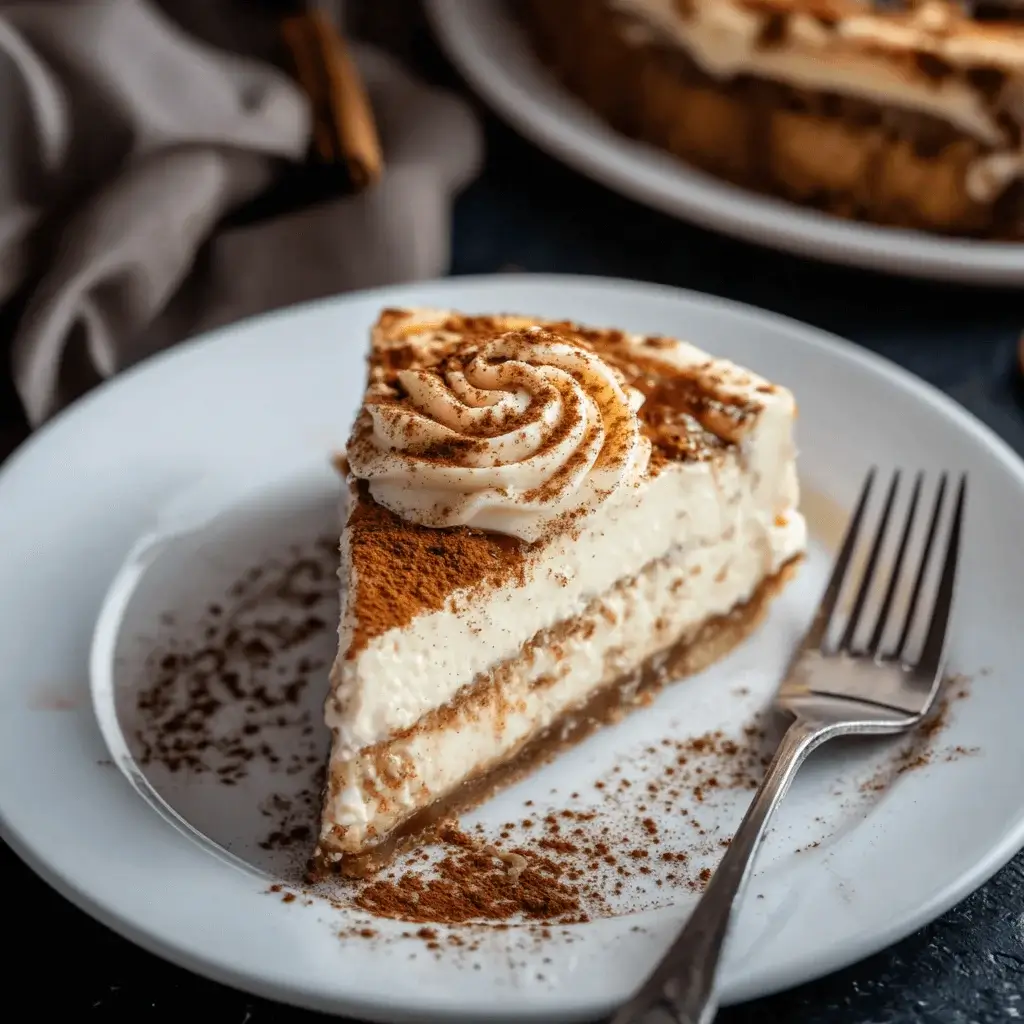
906,114
546,524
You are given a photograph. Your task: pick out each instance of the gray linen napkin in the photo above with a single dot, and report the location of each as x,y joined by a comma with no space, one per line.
124,140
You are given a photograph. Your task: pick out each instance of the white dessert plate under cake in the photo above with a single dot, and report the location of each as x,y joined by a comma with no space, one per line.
487,45
185,515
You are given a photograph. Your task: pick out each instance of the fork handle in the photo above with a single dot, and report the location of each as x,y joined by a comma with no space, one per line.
681,990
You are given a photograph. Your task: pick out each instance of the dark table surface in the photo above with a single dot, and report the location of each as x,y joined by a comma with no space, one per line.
528,212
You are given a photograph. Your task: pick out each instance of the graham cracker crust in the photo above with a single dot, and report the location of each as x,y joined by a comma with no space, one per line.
850,157
691,654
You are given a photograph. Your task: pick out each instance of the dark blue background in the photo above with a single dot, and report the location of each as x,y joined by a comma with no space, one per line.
528,213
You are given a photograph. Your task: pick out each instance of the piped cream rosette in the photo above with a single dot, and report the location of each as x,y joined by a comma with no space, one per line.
512,436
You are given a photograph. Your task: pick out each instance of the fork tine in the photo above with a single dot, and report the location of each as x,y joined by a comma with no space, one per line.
846,643
930,661
819,627
922,569
875,644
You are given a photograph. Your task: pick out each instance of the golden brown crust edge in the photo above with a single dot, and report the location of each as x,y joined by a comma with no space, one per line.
827,161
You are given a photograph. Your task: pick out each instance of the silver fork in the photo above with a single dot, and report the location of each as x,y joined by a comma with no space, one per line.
877,686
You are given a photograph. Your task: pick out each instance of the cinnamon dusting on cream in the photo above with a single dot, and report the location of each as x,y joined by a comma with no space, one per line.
404,570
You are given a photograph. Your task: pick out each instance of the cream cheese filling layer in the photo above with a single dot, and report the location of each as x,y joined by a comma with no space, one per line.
863,56
376,790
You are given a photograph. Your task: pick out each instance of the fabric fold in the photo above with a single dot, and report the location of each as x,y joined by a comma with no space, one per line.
125,142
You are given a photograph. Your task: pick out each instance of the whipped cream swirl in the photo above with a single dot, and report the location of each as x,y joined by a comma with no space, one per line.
508,436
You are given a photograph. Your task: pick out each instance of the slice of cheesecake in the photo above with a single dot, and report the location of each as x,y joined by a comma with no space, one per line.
546,524
905,113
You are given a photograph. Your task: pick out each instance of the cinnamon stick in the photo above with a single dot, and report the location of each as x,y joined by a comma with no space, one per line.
344,130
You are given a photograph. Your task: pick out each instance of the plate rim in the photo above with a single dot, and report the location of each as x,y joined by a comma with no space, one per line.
655,179
148,938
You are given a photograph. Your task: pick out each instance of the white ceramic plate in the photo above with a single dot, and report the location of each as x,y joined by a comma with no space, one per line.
140,505
484,41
